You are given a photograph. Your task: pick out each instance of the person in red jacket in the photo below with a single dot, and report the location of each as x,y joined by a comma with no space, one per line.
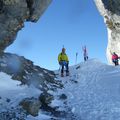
115,58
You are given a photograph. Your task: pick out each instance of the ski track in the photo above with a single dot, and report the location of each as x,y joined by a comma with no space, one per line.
96,95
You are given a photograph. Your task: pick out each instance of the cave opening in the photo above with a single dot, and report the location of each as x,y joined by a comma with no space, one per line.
72,24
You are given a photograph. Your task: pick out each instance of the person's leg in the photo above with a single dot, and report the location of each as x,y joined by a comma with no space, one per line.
84,58
87,57
117,62
62,70
67,69
114,62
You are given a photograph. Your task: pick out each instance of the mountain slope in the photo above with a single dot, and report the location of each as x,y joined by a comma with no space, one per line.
12,95
93,91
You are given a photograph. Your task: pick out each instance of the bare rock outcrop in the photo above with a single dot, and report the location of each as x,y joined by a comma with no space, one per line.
25,71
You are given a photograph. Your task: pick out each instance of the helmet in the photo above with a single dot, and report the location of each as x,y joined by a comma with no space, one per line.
63,50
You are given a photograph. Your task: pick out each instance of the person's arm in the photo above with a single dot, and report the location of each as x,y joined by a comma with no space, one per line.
67,59
59,58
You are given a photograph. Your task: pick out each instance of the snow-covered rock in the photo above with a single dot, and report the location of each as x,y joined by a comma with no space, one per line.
11,95
18,101
25,71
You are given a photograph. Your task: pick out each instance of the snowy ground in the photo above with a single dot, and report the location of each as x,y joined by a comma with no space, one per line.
11,93
93,92
11,90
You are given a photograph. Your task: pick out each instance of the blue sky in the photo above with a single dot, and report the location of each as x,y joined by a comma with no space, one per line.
72,23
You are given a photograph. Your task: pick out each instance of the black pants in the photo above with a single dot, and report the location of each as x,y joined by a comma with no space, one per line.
115,61
85,58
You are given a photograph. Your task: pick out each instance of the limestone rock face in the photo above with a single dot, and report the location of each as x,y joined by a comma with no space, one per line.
110,10
13,14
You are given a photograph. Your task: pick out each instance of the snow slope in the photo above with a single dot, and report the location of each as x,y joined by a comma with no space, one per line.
12,93
11,89
93,91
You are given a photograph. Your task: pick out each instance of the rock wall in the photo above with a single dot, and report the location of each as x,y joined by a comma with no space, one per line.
13,14
110,10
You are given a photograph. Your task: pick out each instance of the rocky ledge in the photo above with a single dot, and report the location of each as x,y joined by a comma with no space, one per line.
25,71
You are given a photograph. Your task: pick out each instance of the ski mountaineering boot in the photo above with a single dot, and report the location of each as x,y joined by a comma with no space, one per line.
67,73
62,75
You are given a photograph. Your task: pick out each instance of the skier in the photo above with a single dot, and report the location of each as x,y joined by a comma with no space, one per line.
115,58
85,54
63,62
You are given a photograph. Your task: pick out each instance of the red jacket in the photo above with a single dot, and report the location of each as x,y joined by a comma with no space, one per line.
115,57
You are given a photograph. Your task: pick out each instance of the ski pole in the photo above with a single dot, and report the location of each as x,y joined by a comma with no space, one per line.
76,58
